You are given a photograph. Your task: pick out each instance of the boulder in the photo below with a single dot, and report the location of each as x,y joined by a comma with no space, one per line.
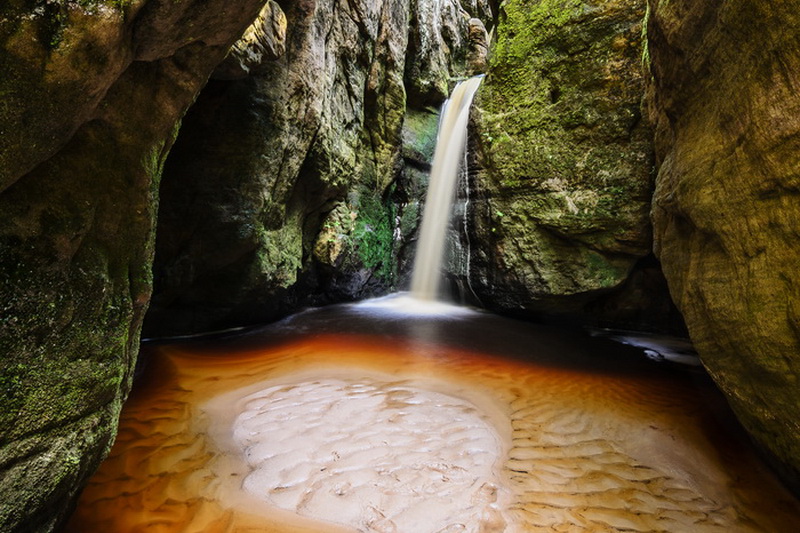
564,166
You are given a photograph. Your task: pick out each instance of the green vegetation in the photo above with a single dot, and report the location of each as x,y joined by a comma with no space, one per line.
372,235
527,24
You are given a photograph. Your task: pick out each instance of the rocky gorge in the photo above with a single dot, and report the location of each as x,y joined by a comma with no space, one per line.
183,167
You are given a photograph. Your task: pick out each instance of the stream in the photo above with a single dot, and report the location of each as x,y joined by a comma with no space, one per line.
390,417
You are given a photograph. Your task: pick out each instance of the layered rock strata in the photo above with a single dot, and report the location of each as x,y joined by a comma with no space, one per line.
723,94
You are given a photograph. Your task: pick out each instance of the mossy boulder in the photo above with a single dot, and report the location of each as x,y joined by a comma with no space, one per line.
91,96
724,95
565,156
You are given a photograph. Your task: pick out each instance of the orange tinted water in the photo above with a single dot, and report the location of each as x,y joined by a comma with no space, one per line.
594,438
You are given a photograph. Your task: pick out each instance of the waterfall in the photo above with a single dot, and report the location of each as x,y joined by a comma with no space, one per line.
450,147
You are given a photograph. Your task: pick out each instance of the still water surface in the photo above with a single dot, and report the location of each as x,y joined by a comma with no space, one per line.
373,418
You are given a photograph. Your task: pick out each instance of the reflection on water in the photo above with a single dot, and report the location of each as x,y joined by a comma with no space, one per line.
589,435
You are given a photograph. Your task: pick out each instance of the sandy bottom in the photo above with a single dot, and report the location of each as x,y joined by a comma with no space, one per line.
375,455
358,433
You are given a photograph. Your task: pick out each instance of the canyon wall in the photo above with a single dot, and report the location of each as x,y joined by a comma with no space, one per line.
92,93
724,94
296,180
565,175
298,174
565,164
285,188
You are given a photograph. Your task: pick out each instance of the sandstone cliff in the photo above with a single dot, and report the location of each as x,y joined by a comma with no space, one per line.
296,180
91,96
724,97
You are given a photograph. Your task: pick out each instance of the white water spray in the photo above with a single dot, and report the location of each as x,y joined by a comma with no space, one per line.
450,147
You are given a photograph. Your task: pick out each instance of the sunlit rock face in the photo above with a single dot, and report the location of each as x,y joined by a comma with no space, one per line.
726,214
91,95
565,157
263,41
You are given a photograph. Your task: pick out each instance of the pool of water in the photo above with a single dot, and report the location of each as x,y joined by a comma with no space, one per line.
379,417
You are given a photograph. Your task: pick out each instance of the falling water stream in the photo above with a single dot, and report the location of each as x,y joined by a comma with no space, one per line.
390,416
448,156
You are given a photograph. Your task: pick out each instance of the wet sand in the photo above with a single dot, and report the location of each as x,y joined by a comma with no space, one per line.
374,453
283,430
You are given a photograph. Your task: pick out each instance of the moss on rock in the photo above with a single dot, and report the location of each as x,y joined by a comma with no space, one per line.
566,155
92,122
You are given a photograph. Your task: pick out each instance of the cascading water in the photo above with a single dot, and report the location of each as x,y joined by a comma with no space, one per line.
450,147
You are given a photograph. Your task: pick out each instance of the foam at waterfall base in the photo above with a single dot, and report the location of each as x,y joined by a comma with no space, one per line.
404,304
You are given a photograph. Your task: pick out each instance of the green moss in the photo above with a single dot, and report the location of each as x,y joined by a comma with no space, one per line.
603,273
419,135
567,156
279,255
372,234
527,24
561,93
409,219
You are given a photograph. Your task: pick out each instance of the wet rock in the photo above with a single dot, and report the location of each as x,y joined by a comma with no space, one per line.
441,39
726,214
565,157
478,55
91,95
297,185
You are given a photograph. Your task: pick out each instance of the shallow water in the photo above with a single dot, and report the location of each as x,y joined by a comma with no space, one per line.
370,418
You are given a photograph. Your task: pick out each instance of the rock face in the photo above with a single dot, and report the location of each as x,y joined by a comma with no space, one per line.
264,40
289,186
91,95
565,163
726,213
443,37
258,184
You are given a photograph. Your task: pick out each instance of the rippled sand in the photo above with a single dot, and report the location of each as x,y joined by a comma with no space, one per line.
248,438
370,453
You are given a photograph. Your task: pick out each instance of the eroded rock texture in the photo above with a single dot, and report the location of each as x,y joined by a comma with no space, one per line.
566,158
91,95
440,43
726,214
287,187
263,41
262,161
